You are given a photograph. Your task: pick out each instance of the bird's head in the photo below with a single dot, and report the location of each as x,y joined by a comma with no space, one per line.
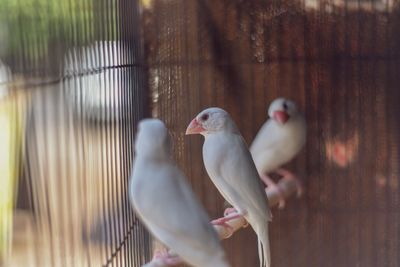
152,138
281,110
210,120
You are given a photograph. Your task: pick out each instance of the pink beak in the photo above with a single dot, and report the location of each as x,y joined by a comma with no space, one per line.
280,116
194,128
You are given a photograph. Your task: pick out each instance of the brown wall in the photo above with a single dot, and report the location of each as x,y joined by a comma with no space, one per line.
341,67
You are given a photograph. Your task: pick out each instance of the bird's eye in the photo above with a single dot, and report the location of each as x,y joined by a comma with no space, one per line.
204,117
285,106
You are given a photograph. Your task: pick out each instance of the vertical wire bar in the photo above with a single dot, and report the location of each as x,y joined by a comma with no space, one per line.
190,72
376,148
200,70
309,108
86,172
110,91
119,118
120,195
128,79
103,173
252,66
78,179
385,85
134,85
337,126
145,110
132,120
394,130
130,45
121,124
126,125
359,128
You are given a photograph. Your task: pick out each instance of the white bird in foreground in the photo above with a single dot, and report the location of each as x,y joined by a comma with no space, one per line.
229,164
165,203
279,140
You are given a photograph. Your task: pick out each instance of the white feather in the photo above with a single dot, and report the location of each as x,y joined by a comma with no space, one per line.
165,203
231,168
276,144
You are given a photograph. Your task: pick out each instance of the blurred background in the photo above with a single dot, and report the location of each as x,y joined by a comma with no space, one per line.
77,75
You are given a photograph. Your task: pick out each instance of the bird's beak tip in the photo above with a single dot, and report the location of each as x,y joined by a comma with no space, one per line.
194,128
281,116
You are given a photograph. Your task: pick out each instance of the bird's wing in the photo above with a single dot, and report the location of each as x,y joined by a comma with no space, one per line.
174,214
266,139
275,145
241,177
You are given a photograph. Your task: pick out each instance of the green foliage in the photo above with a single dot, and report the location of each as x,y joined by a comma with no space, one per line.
32,25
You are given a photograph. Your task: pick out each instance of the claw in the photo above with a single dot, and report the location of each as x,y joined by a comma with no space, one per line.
289,175
271,184
172,261
300,190
221,221
233,210
228,227
166,258
229,211
230,217
230,214
159,253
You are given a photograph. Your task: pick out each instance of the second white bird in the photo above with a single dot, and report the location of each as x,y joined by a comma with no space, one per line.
230,166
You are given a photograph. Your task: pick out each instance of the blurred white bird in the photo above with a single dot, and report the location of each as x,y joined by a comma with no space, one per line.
232,170
98,94
278,141
165,203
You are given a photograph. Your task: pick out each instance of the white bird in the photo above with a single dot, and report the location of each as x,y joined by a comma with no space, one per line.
229,164
165,203
279,140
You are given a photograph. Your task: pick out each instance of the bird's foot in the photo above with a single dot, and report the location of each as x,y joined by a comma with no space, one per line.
229,211
223,221
233,210
271,184
289,175
167,258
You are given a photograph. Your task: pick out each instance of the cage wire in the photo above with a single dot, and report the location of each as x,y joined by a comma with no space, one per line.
84,72
79,67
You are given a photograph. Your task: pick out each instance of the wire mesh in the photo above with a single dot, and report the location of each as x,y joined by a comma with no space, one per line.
78,65
75,78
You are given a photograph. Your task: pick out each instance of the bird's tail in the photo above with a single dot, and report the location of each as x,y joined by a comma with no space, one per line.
263,245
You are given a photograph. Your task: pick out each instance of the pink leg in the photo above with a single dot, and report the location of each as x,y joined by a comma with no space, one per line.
160,253
172,261
167,259
289,175
223,224
227,218
271,184
232,214
233,210
229,211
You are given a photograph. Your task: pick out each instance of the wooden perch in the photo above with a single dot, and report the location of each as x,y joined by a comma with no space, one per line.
286,186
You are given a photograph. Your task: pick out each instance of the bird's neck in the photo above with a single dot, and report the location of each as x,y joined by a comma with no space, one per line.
160,155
